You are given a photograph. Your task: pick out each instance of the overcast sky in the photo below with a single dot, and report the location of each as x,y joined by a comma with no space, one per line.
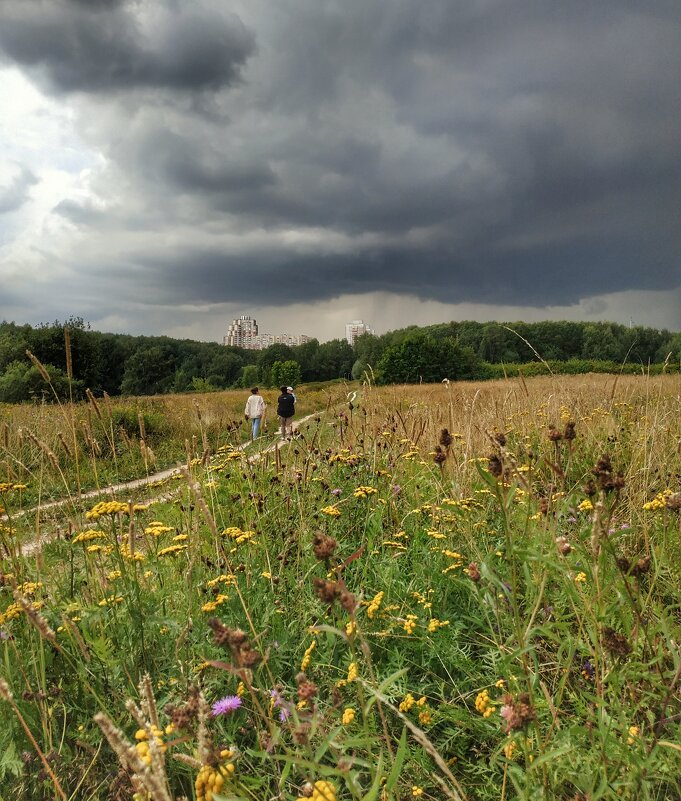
167,165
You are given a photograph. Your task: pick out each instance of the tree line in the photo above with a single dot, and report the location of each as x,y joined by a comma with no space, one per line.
145,365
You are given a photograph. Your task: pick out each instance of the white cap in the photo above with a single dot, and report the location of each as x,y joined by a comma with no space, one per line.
290,389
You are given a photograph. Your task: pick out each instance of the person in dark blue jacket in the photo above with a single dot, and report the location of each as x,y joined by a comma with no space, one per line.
286,407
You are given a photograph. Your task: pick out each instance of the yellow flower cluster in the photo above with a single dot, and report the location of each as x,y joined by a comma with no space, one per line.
211,606
580,578
364,492
7,486
352,672
331,511
321,791
156,528
111,600
345,456
110,508
585,506
659,502
374,604
142,746
87,536
307,656
131,556
410,624
236,534
211,780
228,579
483,703
348,716
633,733
13,611
172,550
465,504
407,703
29,587
106,549
435,625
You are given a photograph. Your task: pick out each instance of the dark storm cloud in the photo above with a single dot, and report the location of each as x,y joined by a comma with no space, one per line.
506,153
14,189
74,45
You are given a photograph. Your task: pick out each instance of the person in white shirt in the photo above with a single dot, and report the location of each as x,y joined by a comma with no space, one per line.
255,411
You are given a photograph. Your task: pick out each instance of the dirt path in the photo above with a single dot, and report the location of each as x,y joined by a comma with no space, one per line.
29,548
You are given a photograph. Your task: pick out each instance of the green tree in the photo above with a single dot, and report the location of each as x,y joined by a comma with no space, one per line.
149,371
250,376
21,382
421,358
336,358
285,374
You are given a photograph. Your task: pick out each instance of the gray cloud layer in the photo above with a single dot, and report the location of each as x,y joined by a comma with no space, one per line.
79,46
519,153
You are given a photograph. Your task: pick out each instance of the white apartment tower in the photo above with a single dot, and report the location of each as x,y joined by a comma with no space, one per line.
355,329
242,333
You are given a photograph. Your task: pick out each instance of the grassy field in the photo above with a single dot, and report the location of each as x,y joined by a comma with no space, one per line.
465,591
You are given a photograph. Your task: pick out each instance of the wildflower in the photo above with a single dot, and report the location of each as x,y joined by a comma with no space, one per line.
585,506
407,703
633,733
307,656
323,546
320,791
509,749
473,572
348,716
580,578
588,671
516,712
331,511
364,492
337,492
374,604
352,672
425,717
226,705
172,550
410,624
416,791
422,701
483,704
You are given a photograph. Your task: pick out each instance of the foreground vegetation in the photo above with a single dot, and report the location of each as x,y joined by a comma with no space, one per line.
465,591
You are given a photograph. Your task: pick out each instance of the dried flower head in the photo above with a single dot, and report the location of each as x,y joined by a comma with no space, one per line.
323,546
516,712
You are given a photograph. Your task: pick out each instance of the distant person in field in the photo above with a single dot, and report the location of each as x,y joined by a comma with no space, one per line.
286,408
255,411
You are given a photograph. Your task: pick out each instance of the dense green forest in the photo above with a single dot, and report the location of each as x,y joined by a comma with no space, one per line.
143,365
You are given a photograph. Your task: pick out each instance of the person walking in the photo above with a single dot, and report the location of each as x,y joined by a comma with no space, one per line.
291,392
286,407
255,411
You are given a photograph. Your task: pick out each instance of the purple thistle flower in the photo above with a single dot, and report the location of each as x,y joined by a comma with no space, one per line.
336,492
226,705
284,714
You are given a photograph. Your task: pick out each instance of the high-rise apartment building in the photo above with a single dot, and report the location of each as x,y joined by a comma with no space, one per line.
242,332
355,329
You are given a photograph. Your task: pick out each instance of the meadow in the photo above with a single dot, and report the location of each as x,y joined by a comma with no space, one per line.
453,591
